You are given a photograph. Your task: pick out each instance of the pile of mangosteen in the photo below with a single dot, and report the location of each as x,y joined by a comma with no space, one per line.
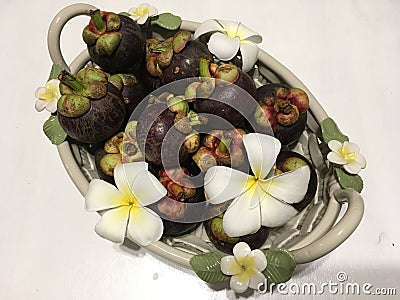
170,102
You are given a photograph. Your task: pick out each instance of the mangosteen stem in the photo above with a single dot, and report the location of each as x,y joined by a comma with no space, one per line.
71,81
98,20
204,67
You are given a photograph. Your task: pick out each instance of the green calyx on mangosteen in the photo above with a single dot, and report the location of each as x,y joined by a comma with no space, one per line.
90,109
233,95
115,42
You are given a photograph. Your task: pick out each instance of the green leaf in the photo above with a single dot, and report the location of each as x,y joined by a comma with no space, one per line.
167,21
208,267
330,131
53,130
280,265
347,180
55,71
124,13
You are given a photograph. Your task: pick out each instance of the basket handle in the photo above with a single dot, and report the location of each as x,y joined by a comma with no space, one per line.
338,233
56,26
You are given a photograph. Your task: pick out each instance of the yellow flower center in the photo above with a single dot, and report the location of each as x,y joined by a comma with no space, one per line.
248,267
141,11
345,153
50,94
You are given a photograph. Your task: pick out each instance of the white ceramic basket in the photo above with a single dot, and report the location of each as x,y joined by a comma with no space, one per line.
313,233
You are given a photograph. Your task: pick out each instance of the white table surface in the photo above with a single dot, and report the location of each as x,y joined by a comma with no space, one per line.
346,52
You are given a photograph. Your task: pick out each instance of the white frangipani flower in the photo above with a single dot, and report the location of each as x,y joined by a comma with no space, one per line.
123,208
260,200
48,96
245,267
348,155
228,38
141,13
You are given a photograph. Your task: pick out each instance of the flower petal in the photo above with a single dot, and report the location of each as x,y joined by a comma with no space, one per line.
102,195
245,33
241,209
262,151
275,213
361,160
222,46
124,174
229,265
231,27
208,26
257,280
222,184
152,10
40,105
249,52
288,187
260,259
335,145
241,249
141,20
112,225
336,158
144,226
352,147
353,168
237,285
147,189
40,90
52,106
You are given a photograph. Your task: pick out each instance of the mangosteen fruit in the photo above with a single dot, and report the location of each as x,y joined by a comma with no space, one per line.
91,109
289,161
115,42
282,108
223,242
165,131
233,98
175,58
173,207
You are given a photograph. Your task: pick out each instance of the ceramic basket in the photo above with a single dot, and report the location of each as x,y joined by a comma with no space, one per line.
313,233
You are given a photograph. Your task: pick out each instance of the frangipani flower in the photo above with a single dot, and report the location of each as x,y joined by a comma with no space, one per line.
229,38
245,266
262,199
124,211
348,155
48,96
141,13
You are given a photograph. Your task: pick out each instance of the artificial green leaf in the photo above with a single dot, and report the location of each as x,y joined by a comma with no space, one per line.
330,131
55,71
167,21
53,130
124,13
280,265
347,180
208,267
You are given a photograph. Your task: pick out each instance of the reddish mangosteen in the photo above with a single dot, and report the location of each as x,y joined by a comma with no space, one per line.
115,42
180,192
282,108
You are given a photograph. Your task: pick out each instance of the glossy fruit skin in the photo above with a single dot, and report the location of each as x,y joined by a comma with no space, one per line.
229,102
151,140
254,240
186,63
285,134
312,184
129,55
104,119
